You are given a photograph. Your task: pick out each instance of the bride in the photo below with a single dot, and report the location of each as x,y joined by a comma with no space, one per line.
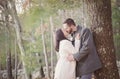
65,69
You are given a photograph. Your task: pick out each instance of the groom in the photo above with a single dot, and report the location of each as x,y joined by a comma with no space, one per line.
87,58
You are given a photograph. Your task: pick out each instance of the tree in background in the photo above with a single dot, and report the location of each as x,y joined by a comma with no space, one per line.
5,22
11,21
116,25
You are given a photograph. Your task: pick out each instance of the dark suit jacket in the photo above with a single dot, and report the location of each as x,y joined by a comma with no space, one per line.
87,57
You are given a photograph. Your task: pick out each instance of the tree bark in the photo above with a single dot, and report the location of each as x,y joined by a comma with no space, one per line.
52,65
8,65
40,63
18,33
118,3
8,42
0,71
98,18
16,59
45,51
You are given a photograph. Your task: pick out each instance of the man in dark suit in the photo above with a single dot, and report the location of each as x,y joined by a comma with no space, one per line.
87,58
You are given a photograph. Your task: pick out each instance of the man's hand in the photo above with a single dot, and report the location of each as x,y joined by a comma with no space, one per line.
70,57
77,36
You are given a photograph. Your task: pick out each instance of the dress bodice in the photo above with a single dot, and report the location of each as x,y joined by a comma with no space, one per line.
66,47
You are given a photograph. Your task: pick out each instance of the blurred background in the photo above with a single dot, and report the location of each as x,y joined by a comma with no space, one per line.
39,20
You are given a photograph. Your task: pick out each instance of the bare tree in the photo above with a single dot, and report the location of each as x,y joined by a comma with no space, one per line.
0,71
39,60
52,66
45,51
16,59
5,21
8,65
18,31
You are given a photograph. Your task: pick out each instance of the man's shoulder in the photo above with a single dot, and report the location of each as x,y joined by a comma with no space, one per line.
86,29
83,29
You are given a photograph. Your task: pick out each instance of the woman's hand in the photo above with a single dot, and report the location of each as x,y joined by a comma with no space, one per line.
77,36
70,58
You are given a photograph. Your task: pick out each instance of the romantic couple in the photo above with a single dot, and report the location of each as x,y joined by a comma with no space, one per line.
78,55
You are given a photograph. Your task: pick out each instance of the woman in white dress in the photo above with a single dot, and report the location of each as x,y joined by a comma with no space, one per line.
64,68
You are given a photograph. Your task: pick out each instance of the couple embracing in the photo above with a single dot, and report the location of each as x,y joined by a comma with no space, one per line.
78,57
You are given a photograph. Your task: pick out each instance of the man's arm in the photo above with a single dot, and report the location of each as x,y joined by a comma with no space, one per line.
85,48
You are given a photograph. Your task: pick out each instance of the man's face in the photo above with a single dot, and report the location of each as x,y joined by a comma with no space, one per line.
67,28
74,28
71,28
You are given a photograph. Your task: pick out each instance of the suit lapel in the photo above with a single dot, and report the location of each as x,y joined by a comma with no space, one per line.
79,30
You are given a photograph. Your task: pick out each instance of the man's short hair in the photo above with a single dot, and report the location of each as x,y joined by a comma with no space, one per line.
69,22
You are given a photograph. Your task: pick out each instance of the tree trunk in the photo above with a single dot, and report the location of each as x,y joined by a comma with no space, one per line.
40,63
98,17
52,68
16,59
45,51
118,3
8,65
42,72
8,43
0,71
18,33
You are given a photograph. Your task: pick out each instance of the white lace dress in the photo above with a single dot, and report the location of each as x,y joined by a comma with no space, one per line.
64,68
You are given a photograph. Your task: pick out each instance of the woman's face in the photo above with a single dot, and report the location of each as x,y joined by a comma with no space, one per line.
67,31
68,34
